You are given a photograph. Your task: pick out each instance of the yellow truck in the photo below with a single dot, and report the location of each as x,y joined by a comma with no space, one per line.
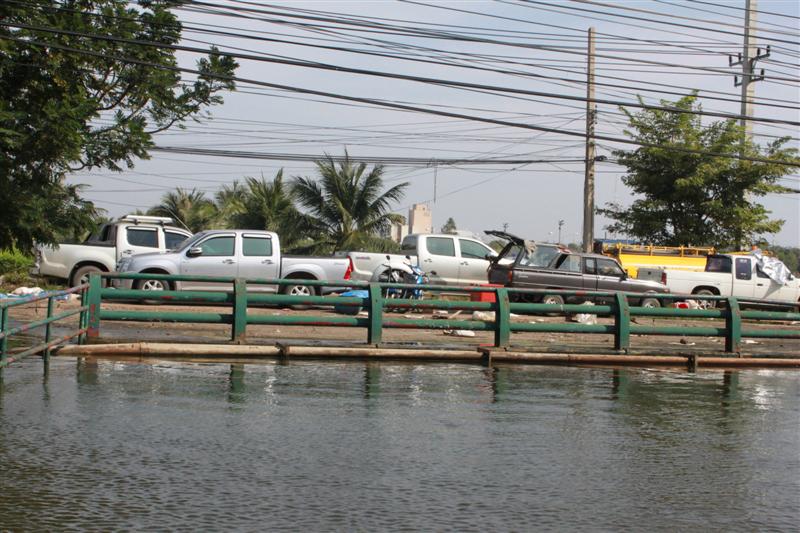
636,257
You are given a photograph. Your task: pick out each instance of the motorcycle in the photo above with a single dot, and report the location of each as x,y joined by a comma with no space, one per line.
393,271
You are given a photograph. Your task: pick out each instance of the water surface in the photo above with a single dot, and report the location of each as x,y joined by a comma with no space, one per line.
377,446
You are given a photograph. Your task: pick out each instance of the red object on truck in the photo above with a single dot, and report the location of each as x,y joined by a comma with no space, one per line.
484,296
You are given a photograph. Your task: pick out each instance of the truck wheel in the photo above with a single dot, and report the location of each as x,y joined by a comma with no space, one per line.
299,290
706,304
152,285
81,276
650,303
553,299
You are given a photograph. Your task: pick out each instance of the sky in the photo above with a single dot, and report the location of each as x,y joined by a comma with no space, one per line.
529,58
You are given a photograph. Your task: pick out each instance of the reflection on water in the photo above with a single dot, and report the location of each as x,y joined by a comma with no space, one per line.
377,446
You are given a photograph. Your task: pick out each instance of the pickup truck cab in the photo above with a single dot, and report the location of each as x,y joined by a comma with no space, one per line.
233,253
733,275
575,271
445,259
130,235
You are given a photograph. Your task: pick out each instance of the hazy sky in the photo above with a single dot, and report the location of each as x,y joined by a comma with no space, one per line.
512,44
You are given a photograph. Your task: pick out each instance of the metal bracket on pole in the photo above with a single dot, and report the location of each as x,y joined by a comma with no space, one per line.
375,327
239,331
93,298
622,323
502,319
733,327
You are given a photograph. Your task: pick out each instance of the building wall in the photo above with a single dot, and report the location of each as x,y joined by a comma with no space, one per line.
420,219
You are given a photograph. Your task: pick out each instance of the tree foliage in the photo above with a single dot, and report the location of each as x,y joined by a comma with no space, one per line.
698,199
190,209
347,206
449,226
71,99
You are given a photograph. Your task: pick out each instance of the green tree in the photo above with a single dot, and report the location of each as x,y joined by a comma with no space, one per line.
269,205
345,207
449,226
71,99
698,199
229,201
190,209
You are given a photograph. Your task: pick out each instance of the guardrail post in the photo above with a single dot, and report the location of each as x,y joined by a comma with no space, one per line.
733,326
4,340
93,301
48,329
502,319
375,328
83,318
239,311
622,322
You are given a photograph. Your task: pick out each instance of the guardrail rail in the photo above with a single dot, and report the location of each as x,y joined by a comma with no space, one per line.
507,301
6,331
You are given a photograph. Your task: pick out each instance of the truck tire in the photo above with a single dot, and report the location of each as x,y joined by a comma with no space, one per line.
553,299
298,289
706,304
650,303
81,275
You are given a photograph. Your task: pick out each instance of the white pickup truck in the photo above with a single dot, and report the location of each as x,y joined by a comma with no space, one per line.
130,235
233,253
445,259
733,275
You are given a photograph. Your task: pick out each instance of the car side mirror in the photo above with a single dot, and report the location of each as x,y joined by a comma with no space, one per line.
624,275
433,273
194,252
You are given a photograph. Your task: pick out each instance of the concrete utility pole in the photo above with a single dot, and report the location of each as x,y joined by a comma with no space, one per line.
588,182
750,54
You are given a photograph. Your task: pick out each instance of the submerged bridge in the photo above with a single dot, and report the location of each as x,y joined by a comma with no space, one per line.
505,317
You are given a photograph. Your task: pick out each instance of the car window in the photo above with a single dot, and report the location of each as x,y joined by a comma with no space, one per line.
591,267
142,237
256,246
743,270
718,264
409,244
760,273
542,256
218,246
441,246
173,239
608,267
570,263
473,249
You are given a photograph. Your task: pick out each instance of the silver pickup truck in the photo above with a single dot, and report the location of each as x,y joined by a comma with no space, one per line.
233,253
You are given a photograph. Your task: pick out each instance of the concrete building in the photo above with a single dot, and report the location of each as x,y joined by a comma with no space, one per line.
420,219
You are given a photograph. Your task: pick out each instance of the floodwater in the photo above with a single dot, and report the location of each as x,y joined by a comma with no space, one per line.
100,445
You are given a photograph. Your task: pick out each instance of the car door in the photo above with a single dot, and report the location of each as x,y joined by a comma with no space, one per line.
473,267
440,262
743,285
173,239
258,258
218,258
590,278
134,240
610,275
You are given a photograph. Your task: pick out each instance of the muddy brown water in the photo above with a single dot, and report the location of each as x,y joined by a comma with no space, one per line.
102,445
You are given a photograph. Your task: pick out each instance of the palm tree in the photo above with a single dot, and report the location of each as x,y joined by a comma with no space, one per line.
269,205
190,209
229,201
346,206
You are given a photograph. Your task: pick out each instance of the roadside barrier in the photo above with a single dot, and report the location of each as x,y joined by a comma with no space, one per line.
6,331
377,303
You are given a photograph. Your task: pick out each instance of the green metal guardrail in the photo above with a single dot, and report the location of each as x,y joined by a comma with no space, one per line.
6,332
377,303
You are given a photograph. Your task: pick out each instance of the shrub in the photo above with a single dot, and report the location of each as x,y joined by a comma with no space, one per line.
14,265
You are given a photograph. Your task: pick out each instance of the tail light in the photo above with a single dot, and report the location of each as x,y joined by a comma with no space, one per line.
510,276
349,272
664,278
